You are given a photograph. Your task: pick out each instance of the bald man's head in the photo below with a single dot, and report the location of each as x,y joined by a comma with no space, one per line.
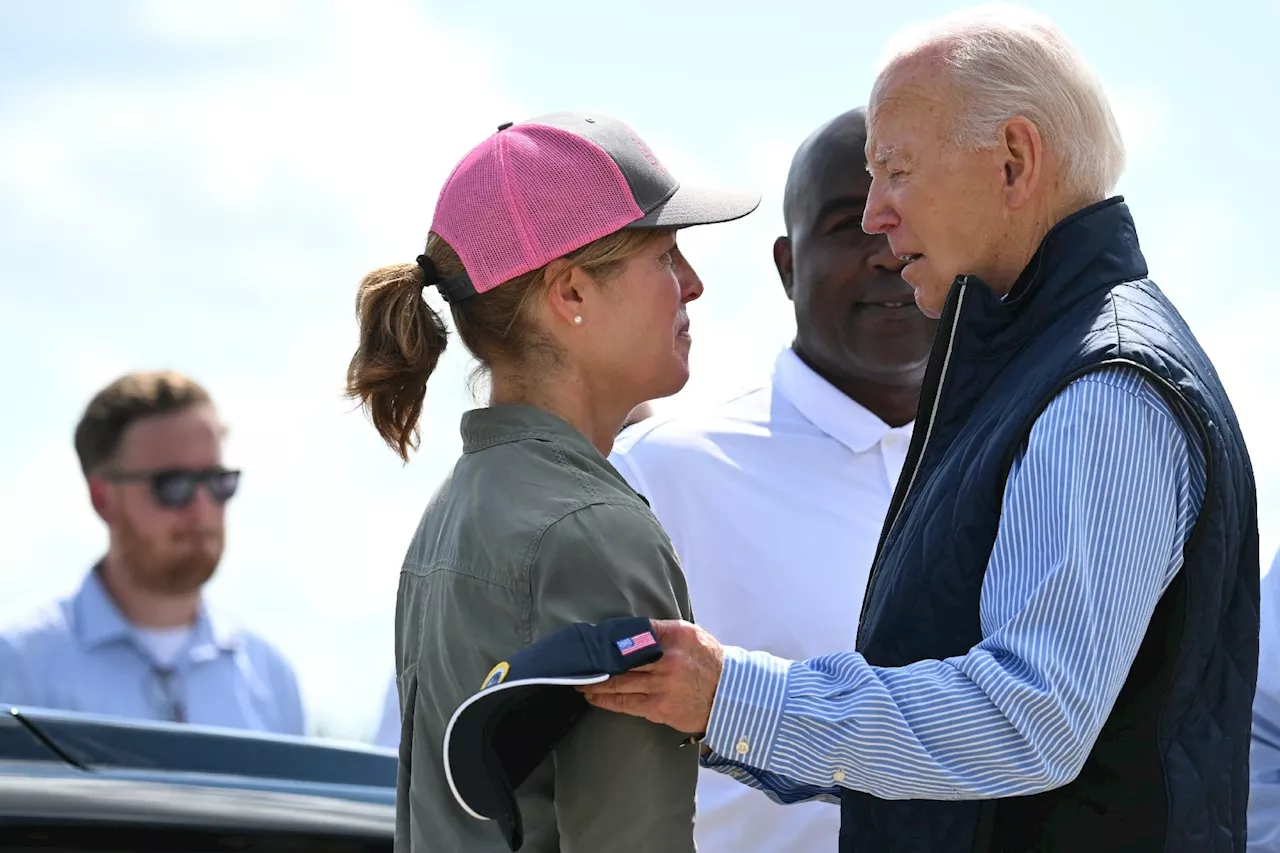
857,323
840,143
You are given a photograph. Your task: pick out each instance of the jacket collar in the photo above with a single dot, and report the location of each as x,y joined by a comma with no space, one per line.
1082,257
507,422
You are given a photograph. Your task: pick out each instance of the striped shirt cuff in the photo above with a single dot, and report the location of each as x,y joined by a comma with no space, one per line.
748,706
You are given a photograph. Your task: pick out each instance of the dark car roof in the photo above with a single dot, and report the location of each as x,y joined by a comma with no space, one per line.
67,766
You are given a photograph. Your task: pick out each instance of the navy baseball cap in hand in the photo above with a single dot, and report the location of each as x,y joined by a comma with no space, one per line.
526,705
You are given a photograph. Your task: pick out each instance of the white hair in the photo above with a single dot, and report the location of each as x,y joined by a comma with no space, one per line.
1007,61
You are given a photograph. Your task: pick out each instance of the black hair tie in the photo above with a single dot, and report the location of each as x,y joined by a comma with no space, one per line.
454,288
429,268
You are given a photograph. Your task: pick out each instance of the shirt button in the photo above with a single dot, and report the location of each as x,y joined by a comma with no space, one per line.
743,747
838,776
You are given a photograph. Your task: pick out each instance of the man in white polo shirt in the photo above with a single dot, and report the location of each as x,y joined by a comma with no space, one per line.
774,499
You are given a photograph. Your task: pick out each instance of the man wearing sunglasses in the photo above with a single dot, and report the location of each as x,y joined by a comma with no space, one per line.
136,639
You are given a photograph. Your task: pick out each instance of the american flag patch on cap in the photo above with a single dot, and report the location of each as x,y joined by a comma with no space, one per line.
634,644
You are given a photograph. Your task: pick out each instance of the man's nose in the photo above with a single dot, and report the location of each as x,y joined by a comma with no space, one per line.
878,217
204,506
690,285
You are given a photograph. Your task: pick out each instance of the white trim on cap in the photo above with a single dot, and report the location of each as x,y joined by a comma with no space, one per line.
506,685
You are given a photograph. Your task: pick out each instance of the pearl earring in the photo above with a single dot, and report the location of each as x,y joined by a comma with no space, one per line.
577,320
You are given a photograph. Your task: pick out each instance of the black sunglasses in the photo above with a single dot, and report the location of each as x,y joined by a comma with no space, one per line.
175,488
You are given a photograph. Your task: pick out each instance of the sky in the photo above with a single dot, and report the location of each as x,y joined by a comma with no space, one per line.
201,185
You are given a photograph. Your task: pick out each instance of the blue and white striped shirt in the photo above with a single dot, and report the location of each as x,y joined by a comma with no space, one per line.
1096,511
1264,753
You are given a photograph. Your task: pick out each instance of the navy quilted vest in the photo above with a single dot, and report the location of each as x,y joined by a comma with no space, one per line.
1170,769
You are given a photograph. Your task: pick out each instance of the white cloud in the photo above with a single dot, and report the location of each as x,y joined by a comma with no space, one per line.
229,21
349,105
37,173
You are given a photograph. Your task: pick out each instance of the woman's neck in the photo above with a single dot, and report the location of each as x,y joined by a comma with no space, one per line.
572,400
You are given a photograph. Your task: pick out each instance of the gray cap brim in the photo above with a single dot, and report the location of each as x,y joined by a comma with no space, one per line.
689,206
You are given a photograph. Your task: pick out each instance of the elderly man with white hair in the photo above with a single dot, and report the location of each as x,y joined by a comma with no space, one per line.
1057,650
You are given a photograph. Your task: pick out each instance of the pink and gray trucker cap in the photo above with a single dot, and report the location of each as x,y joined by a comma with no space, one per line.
540,189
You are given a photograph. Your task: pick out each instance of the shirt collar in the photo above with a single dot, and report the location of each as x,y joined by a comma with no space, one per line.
508,422
828,408
100,622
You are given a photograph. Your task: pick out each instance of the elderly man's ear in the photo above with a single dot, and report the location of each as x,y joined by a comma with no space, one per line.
1023,153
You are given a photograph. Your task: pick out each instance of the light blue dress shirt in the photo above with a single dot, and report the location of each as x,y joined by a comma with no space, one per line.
1264,754
1096,511
81,654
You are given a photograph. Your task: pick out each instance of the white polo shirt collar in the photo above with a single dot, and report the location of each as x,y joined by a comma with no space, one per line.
829,409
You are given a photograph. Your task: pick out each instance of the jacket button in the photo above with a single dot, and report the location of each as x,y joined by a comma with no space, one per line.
838,776
743,747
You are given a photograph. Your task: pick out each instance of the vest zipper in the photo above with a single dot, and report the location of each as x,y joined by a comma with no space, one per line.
951,323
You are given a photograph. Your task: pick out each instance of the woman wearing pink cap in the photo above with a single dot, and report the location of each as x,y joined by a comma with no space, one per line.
554,245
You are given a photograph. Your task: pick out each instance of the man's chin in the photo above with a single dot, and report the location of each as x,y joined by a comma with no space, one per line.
917,275
188,574
926,303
